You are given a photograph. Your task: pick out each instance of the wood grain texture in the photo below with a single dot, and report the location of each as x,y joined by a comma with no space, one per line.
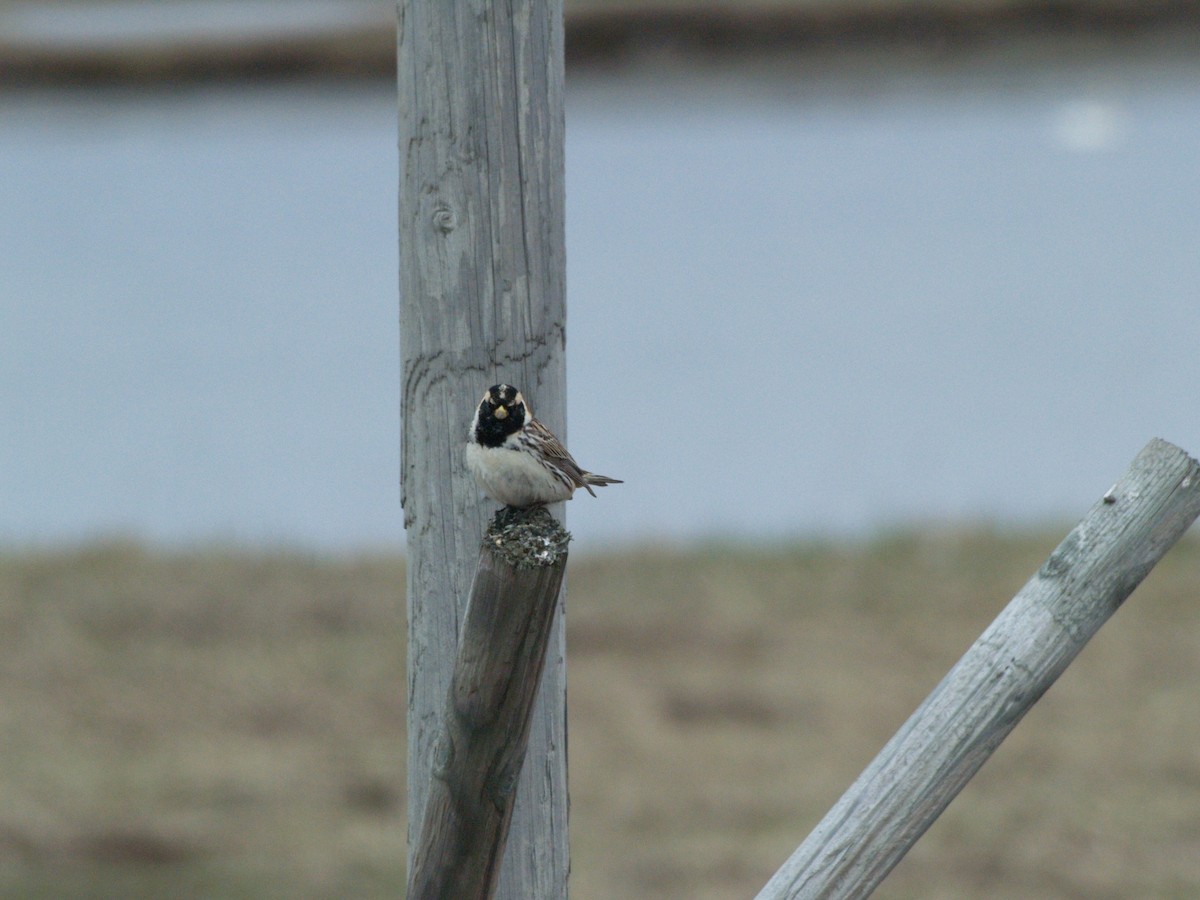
1010,666
485,726
482,284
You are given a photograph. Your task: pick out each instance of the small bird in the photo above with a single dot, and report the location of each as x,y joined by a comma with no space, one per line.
515,458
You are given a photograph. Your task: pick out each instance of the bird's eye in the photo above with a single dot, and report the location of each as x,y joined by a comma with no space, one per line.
500,413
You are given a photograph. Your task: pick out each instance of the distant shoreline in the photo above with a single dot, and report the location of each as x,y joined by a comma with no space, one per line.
603,35
596,35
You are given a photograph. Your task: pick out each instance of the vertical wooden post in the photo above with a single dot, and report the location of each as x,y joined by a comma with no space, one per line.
482,283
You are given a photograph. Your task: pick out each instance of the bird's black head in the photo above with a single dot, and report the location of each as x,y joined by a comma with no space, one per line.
501,412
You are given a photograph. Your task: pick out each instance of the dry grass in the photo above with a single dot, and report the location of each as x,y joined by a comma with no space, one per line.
231,725
208,725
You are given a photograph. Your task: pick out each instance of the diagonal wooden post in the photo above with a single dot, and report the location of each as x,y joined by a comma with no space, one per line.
483,300
485,726
1013,663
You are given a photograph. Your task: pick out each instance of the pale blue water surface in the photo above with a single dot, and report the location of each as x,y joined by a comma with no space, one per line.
796,305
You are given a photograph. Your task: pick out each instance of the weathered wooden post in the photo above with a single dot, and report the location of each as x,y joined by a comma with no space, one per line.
482,743
482,279
1033,640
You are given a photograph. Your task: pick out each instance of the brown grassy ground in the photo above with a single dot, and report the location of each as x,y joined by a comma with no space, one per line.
218,724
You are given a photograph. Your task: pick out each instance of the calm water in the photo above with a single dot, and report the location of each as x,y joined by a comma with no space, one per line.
797,304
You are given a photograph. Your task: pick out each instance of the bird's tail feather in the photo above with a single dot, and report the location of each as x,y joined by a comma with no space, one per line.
591,478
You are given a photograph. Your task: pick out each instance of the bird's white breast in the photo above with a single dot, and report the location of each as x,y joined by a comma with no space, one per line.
514,477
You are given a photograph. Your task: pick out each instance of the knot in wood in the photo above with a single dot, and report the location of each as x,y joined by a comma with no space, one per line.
527,538
443,755
1060,562
444,219
505,781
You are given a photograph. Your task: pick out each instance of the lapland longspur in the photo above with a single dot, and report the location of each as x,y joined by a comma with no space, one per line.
514,457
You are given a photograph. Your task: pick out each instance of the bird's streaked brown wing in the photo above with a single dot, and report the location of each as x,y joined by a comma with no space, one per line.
554,450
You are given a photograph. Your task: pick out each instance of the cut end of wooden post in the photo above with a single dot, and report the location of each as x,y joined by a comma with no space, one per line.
527,538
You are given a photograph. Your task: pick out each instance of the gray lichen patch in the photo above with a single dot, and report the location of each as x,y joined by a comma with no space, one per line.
527,538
